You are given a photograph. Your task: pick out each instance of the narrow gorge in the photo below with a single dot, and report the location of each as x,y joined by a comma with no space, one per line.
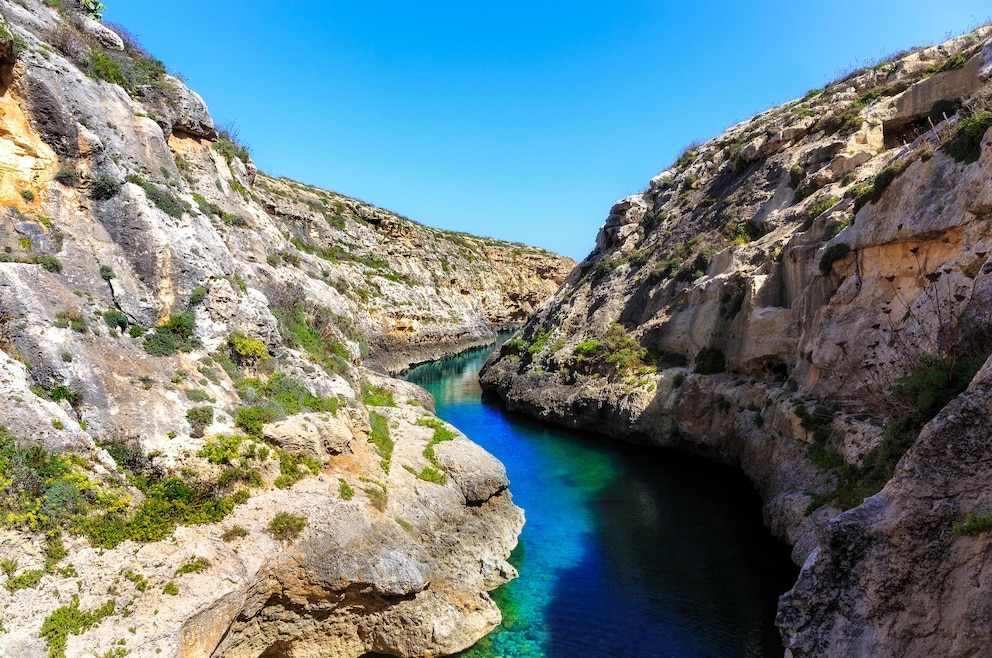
205,450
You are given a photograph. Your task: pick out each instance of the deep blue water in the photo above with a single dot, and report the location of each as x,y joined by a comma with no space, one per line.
627,551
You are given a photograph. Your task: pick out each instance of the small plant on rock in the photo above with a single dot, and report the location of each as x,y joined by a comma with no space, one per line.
104,187
285,526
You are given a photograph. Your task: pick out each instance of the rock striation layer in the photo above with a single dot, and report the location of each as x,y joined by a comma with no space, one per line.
798,297
200,454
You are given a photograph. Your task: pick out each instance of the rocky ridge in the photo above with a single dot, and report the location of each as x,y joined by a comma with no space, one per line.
201,454
801,297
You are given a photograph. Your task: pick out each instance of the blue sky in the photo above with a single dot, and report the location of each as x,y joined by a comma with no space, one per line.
518,120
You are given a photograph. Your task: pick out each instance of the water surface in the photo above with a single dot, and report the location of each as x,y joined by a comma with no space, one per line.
627,551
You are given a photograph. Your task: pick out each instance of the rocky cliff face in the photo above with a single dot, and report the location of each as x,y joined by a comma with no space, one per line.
197,456
799,297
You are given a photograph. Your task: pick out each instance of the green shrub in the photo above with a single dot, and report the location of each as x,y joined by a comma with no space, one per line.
252,419
796,174
16,42
955,61
51,264
377,496
379,436
377,396
285,526
249,476
965,145
229,150
59,392
161,344
710,361
346,490
27,579
27,195
289,468
973,525
823,458
140,582
135,331
195,565
107,272
200,417
67,619
928,391
114,318
171,588
197,296
872,191
821,205
431,474
282,395
234,532
106,68
247,347
845,121
588,348
168,502
197,395
72,320
832,254
104,186
172,335
299,325
222,448
162,198
67,176
441,433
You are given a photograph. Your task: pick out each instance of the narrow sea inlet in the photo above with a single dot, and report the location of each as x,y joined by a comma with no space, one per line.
627,551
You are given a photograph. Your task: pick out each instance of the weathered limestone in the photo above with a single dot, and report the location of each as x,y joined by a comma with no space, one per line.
118,214
751,248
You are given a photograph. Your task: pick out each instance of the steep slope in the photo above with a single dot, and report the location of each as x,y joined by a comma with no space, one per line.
799,297
200,454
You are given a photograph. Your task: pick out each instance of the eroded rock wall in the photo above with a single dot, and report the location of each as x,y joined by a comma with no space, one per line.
759,303
161,299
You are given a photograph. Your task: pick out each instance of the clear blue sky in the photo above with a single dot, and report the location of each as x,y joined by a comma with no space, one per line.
520,120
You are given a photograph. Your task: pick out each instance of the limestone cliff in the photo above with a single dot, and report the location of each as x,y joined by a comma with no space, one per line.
799,297
200,453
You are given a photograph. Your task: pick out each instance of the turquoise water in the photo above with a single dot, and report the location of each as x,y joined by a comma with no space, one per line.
627,551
